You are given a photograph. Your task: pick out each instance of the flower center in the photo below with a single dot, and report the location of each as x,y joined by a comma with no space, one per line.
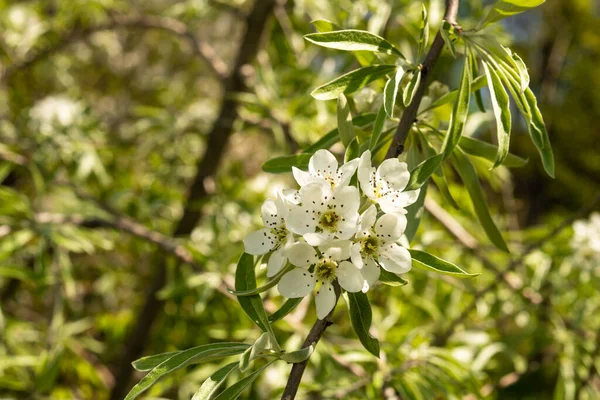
329,220
369,246
325,270
280,234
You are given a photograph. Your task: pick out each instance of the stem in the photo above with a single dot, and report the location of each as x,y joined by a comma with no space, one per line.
313,338
410,114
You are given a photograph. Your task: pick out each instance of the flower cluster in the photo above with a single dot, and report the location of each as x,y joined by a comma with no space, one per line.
330,229
586,242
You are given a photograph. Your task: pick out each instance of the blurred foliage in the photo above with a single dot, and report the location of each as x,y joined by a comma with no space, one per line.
96,125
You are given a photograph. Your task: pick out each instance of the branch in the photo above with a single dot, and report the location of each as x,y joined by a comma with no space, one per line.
291,388
201,49
501,275
410,114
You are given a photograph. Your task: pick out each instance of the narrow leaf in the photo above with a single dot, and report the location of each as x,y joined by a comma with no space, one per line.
274,280
324,25
424,35
235,390
459,113
377,129
353,40
352,81
501,107
538,133
245,279
390,279
479,148
409,91
360,316
147,363
211,386
451,96
352,151
426,261
506,8
332,137
183,358
298,355
390,92
344,120
469,177
523,73
282,164
422,172
414,212
287,307
474,74
446,31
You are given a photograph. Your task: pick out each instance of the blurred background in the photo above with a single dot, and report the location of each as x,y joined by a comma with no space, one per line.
132,135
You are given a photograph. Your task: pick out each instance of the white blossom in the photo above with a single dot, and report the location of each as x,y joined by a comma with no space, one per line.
385,185
323,168
376,244
325,214
274,236
330,265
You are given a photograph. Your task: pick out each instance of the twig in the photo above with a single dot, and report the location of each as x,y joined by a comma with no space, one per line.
410,114
170,25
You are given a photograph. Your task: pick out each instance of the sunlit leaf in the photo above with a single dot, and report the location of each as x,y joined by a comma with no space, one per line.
430,262
353,40
211,386
501,107
344,120
459,113
360,316
352,81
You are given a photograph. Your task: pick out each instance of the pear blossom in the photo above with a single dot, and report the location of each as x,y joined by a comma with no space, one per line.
329,266
385,185
323,168
275,236
376,244
325,214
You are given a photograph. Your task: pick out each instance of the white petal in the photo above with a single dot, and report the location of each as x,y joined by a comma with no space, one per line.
325,300
367,219
394,173
355,256
346,171
276,261
337,250
259,242
347,228
323,163
395,258
315,196
370,273
318,238
390,227
365,173
283,206
300,220
395,203
347,200
269,214
291,195
296,283
301,254
350,277
302,177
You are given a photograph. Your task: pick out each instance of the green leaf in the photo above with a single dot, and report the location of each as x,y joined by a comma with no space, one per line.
211,386
344,120
282,164
17,272
451,96
409,91
506,8
324,25
274,280
390,92
234,391
469,177
523,73
422,172
391,279
352,81
148,363
352,151
474,74
208,352
479,148
377,129
459,113
414,212
285,309
501,107
430,262
446,31
360,316
424,36
298,355
245,279
353,40
538,133
332,137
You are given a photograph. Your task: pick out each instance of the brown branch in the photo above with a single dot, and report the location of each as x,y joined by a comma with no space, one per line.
218,139
500,276
291,388
201,49
410,114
